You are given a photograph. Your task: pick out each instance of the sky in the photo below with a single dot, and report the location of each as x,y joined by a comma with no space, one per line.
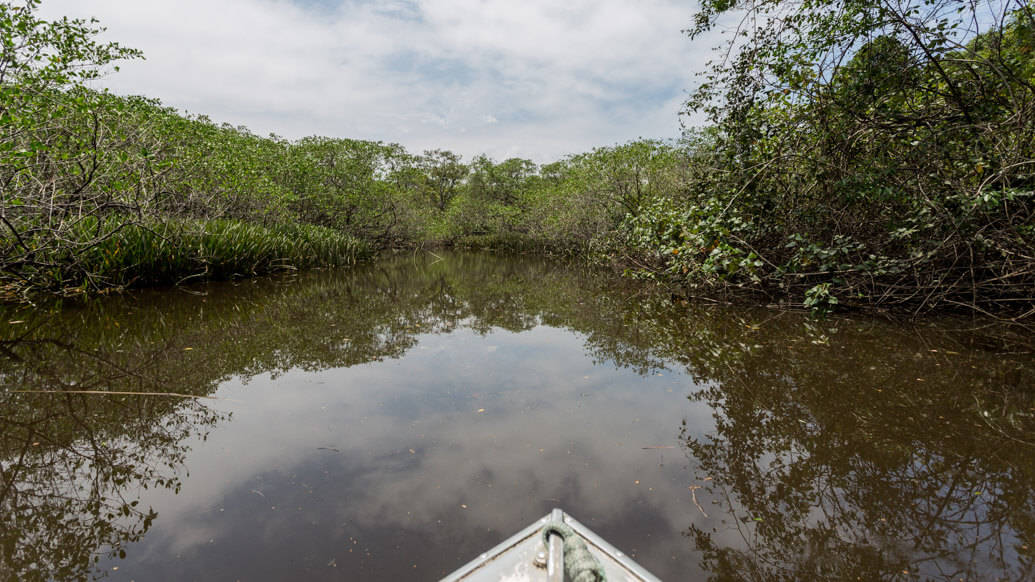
532,78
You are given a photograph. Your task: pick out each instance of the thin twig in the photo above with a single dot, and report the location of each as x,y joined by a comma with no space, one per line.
693,494
121,393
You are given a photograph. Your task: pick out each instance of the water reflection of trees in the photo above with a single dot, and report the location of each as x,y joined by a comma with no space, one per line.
72,465
864,455
855,452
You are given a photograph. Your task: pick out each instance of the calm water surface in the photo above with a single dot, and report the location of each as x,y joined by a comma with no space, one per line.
393,421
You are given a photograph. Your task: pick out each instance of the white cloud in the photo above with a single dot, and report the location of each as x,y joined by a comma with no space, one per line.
537,79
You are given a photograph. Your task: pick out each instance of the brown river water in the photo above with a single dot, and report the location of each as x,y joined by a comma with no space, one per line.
395,420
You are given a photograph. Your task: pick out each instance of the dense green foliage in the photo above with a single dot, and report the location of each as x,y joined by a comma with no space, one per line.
859,154
866,152
100,191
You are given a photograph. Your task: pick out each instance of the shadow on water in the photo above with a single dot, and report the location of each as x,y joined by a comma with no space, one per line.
393,421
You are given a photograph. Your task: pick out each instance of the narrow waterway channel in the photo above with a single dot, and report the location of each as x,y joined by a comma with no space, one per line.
393,421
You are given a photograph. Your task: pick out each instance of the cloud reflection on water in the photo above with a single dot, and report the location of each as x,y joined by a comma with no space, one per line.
502,427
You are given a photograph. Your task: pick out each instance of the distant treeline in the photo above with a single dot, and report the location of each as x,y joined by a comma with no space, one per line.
860,155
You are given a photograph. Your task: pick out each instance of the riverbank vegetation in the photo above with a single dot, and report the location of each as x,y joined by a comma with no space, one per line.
857,154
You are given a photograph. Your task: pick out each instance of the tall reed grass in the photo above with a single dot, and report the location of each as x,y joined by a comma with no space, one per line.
117,252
